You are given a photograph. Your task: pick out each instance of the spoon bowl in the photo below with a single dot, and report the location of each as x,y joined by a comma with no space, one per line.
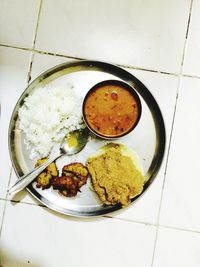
74,142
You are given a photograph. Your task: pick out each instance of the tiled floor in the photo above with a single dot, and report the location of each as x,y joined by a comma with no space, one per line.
182,181
117,32
159,42
65,237
177,248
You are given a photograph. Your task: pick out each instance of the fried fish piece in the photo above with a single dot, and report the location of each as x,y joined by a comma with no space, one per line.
67,184
115,177
79,170
43,180
74,176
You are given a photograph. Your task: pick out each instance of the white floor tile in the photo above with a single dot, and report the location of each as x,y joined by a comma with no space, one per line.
181,193
13,75
2,204
163,87
177,248
139,33
42,62
18,21
192,63
36,234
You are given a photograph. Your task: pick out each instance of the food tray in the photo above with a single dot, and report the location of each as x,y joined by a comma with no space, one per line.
147,139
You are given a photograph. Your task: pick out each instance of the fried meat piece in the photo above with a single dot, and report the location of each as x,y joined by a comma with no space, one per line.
67,184
74,176
79,170
43,180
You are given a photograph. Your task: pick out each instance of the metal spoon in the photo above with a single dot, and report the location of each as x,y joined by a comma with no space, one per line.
73,143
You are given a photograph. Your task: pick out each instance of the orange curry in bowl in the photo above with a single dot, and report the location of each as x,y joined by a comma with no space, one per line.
111,109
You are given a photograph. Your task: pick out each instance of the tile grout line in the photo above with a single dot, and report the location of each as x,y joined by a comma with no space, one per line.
4,211
30,67
154,224
147,70
26,203
186,38
5,204
16,47
110,217
9,180
129,220
37,24
79,58
179,229
190,76
42,52
172,128
33,46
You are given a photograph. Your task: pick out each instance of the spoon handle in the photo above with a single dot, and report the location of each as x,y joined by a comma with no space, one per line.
26,179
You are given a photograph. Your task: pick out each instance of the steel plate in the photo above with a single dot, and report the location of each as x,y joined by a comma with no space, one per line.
148,138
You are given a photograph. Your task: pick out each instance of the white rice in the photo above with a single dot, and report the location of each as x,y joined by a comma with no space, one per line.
47,115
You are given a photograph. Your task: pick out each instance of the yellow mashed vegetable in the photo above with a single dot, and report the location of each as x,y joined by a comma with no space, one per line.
114,175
